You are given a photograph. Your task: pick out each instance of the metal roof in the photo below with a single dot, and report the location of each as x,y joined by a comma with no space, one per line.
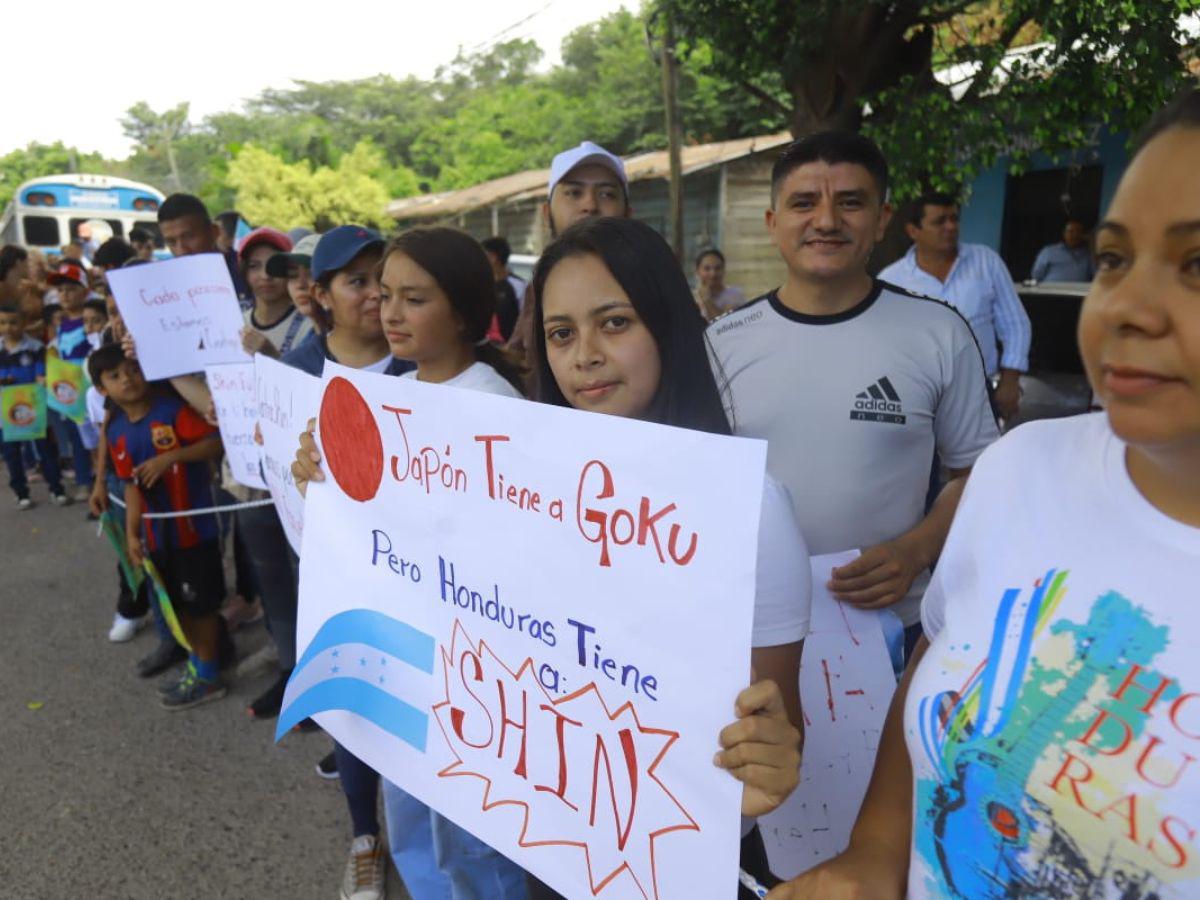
533,183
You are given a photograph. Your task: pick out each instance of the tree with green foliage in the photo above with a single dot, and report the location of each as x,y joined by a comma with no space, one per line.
286,195
949,86
36,160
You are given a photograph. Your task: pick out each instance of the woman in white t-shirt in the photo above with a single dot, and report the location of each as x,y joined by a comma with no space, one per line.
437,302
615,332
1045,741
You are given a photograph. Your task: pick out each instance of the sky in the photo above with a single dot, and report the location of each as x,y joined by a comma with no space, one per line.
73,76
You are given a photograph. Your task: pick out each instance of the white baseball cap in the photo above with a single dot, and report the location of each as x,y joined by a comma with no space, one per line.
586,153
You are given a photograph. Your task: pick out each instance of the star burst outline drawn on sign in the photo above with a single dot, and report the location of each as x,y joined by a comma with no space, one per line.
525,676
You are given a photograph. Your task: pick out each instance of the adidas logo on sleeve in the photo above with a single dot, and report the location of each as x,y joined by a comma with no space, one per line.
879,403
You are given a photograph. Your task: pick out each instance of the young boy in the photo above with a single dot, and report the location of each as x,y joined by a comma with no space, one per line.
23,361
70,338
161,448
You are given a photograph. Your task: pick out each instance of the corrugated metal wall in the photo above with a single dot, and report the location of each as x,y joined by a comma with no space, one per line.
739,231
752,262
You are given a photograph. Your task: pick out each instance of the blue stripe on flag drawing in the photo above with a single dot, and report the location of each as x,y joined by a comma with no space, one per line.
383,633
365,626
390,713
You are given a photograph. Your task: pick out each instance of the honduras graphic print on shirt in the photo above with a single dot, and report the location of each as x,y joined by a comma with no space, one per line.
1062,762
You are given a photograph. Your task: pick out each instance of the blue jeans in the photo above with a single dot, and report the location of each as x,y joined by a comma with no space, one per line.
440,861
67,433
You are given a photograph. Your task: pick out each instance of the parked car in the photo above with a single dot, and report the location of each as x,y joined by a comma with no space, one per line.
1055,385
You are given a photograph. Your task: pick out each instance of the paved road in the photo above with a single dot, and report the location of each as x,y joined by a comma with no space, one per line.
103,794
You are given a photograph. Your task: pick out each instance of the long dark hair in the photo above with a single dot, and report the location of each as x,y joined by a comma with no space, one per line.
461,269
642,263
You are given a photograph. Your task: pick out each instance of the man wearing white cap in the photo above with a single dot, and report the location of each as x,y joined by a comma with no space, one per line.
584,181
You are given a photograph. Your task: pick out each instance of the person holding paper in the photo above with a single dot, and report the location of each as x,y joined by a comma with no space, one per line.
344,266
854,383
1043,740
187,229
616,331
71,344
437,304
161,449
23,361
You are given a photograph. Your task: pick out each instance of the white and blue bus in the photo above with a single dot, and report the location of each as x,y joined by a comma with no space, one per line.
45,213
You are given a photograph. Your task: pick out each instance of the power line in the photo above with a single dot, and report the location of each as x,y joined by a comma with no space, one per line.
492,41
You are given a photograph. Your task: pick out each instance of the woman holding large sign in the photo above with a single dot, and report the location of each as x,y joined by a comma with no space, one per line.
616,332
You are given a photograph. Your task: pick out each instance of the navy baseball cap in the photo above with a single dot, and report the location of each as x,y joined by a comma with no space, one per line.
338,248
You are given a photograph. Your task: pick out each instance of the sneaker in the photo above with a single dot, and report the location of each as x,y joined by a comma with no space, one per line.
60,499
260,661
82,494
166,654
327,767
192,691
270,701
124,629
366,873
24,503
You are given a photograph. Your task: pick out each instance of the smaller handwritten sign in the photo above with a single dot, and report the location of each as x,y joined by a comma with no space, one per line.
236,404
23,412
67,387
846,686
286,399
183,314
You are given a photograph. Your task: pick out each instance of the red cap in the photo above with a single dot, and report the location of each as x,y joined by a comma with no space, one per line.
269,236
68,271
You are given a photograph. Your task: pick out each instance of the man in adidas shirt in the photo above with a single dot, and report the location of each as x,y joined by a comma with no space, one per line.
852,382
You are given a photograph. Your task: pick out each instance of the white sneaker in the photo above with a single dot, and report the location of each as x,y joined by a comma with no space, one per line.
60,499
124,629
24,503
82,494
366,870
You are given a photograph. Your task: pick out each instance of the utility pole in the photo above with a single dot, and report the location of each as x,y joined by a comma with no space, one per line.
670,73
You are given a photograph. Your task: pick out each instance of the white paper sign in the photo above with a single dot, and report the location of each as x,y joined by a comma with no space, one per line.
287,399
846,685
236,402
536,620
183,314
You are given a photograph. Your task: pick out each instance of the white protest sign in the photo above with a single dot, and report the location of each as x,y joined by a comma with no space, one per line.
536,620
846,685
287,399
183,314
236,403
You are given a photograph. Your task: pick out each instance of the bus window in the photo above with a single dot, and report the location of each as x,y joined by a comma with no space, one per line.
41,230
118,229
152,227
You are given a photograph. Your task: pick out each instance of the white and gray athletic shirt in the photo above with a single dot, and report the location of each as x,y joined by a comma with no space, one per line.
852,407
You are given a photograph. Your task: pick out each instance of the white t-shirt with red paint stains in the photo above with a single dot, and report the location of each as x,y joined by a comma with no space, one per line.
1054,724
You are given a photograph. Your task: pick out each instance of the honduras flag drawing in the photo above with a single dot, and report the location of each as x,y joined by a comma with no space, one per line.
360,661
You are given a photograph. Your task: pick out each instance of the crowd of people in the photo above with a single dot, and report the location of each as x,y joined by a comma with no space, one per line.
882,400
